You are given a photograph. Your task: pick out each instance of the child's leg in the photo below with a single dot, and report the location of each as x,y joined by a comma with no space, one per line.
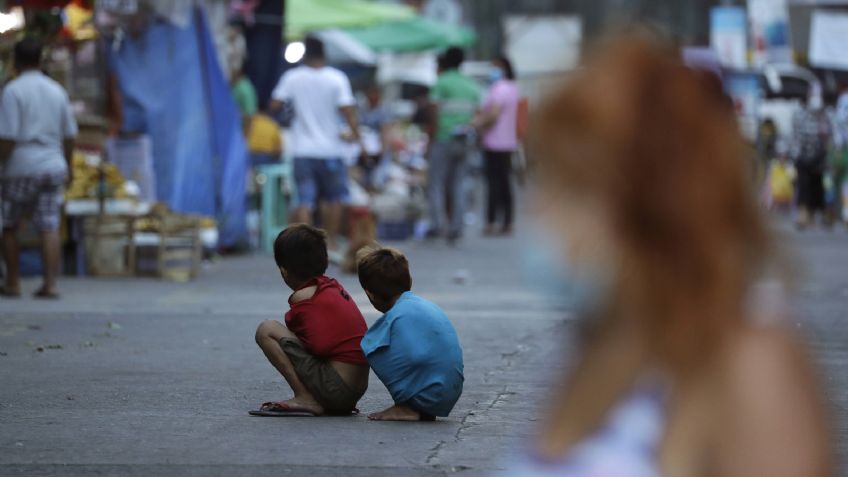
268,336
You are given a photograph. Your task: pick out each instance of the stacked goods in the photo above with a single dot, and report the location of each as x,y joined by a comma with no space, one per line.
86,183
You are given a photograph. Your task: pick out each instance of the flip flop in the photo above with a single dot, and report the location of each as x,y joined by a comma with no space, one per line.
281,409
9,294
44,294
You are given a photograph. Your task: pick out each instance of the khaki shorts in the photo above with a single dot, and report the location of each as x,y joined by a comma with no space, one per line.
321,379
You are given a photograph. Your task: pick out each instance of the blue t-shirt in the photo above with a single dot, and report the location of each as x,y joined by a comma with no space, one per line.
415,352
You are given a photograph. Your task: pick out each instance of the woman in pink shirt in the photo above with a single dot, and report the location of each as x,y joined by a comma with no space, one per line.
497,123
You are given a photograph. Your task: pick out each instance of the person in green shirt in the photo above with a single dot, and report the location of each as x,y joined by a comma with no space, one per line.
245,96
455,99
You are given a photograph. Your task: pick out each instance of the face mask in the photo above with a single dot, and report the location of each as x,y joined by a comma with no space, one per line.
578,289
495,74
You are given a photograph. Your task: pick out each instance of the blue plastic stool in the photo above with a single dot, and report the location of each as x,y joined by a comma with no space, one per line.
277,183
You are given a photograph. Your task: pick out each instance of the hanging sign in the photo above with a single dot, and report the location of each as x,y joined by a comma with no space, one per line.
770,41
728,36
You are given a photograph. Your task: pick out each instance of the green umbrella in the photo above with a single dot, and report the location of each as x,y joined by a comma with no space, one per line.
304,16
414,34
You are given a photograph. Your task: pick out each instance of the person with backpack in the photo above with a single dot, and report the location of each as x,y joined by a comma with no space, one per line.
810,138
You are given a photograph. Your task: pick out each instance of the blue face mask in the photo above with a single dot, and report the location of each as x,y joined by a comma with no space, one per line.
546,270
495,74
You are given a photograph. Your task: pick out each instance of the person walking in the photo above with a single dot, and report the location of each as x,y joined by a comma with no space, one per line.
318,94
37,131
497,121
454,99
376,121
811,133
840,163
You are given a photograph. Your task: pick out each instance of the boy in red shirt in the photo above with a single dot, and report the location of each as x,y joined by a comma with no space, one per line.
317,350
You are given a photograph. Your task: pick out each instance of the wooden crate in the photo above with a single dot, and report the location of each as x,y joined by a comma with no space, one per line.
176,249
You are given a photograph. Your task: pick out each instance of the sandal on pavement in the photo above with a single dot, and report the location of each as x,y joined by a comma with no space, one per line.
282,409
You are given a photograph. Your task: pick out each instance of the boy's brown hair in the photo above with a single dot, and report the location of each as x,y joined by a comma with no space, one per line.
384,272
302,251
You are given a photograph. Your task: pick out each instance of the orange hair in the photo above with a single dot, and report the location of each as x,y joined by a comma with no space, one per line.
657,146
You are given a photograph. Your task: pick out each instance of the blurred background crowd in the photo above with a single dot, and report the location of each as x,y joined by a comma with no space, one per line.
183,143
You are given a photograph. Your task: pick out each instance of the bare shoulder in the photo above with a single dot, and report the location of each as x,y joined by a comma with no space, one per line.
771,414
303,294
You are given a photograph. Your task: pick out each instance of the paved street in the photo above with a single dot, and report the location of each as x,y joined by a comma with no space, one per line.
141,377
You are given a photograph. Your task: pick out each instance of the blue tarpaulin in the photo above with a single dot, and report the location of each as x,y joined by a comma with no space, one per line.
173,89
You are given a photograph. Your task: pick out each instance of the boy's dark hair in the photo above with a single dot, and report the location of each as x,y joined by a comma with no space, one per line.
453,58
301,250
384,272
313,49
28,53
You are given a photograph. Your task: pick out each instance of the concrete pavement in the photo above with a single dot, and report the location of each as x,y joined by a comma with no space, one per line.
142,377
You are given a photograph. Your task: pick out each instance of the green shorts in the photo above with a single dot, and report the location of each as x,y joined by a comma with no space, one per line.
322,380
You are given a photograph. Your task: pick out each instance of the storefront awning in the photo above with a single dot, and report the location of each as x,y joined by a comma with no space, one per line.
304,16
416,34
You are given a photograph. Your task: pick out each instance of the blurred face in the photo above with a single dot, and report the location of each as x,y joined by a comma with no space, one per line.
580,228
496,72
373,96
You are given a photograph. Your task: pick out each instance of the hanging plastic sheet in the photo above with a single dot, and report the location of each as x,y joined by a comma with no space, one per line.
173,92
228,142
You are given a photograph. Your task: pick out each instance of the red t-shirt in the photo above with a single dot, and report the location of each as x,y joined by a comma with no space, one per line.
329,324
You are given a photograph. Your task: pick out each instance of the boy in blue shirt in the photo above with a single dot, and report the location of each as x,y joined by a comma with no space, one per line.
413,348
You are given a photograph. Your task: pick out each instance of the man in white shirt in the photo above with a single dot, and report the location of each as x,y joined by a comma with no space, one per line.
318,93
37,130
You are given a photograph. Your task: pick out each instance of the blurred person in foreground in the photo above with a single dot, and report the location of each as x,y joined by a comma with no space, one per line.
37,131
685,365
811,134
454,99
318,94
497,120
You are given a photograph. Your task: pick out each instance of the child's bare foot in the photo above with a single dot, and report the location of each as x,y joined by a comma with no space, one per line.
297,404
399,412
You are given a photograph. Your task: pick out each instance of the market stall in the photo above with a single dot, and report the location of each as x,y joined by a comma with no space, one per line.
149,199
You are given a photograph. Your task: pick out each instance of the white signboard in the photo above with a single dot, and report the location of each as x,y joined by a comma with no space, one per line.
829,39
540,45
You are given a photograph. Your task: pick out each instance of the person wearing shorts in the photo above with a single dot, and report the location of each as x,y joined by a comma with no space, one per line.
318,95
325,383
317,349
37,130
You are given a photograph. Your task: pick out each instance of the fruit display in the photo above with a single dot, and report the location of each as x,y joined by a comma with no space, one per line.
161,218
87,172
